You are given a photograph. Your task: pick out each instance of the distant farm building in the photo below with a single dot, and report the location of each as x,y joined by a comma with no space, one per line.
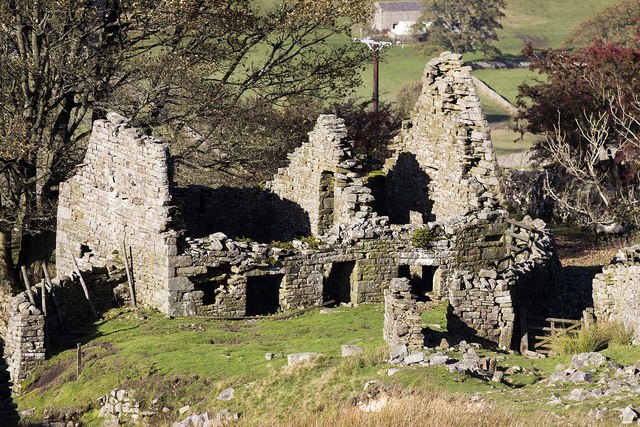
397,17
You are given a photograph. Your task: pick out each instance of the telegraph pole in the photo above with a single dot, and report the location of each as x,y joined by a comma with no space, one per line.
375,46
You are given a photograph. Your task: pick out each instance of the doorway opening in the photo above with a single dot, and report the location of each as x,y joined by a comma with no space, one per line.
263,294
338,282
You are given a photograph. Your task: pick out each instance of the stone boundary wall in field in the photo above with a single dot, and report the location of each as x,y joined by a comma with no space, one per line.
25,342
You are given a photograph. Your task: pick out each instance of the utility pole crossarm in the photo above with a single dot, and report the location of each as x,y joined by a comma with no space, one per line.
375,46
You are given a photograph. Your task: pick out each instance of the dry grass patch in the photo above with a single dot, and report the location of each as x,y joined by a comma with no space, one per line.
420,409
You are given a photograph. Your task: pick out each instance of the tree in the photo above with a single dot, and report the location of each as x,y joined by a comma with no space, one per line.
588,112
463,26
188,68
370,131
618,24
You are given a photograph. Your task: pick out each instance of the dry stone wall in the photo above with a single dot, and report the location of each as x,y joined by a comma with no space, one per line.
322,178
106,290
616,291
402,321
485,303
24,344
121,193
443,164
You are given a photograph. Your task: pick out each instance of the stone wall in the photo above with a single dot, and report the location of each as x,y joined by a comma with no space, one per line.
443,164
322,178
251,213
402,321
120,193
616,291
361,259
215,272
24,345
485,304
106,290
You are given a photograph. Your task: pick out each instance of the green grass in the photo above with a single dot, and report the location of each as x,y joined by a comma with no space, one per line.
190,361
506,141
506,82
126,350
546,21
595,338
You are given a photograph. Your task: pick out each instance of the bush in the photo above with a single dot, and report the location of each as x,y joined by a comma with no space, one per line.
595,338
423,236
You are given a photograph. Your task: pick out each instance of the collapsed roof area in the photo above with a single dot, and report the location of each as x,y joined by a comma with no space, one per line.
434,218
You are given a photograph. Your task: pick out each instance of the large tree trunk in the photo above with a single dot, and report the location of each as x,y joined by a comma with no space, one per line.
7,273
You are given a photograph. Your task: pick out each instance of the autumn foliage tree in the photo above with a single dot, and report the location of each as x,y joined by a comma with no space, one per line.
588,110
618,24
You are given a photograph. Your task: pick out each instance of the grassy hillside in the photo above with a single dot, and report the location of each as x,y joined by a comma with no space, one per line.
544,22
178,362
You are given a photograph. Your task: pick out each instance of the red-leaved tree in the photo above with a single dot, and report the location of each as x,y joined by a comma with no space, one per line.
588,109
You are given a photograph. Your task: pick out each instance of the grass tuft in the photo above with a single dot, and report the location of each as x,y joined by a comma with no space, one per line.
595,338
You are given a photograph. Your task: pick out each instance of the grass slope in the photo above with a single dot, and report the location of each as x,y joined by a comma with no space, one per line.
544,22
190,361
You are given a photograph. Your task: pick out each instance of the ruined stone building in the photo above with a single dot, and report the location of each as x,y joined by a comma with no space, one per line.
207,251
434,217
616,291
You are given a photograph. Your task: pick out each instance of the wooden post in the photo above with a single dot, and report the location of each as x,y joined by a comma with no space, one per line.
43,302
524,331
85,289
48,283
129,276
43,298
27,285
78,361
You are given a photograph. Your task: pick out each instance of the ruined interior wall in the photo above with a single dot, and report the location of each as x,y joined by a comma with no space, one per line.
616,291
251,213
223,265
120,192
484,303
24,345
107,290
444,164
402,320
320,177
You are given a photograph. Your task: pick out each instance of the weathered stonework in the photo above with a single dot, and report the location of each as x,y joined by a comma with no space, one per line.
402,321
616,291
322,177
486,302
443,162
189,245
121,193
24,344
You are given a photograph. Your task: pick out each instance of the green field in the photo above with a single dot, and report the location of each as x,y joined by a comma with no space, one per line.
178,362
544,22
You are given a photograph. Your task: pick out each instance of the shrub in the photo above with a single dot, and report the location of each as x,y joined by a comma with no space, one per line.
423,236
311,241
595,338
